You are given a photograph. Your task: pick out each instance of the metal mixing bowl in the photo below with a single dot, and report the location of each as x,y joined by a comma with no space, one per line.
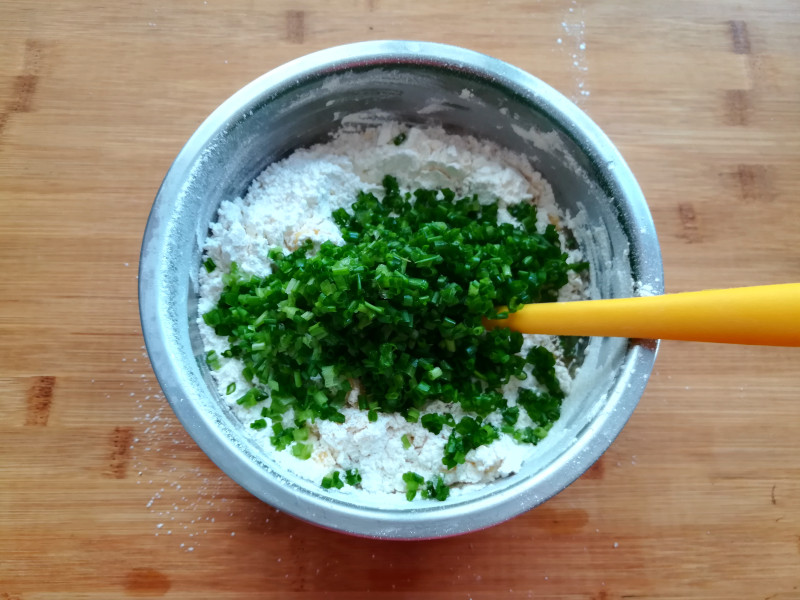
300,104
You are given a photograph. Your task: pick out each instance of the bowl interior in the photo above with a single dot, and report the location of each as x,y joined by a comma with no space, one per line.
303,103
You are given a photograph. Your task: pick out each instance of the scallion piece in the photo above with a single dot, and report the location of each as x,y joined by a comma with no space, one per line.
212,360
352,477
436,490
302,451
332,481
413,482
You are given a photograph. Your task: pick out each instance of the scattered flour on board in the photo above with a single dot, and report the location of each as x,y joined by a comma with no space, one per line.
574,42
291,201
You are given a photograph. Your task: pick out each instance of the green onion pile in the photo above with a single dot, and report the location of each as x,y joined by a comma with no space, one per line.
398,308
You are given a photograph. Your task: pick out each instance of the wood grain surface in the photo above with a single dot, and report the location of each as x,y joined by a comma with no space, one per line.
102,493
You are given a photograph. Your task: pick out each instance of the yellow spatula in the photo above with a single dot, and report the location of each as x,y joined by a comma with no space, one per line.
767,315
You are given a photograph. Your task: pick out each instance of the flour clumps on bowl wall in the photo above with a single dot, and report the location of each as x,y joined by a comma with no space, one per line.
290,204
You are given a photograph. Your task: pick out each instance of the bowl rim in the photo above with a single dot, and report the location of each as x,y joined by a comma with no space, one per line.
429,521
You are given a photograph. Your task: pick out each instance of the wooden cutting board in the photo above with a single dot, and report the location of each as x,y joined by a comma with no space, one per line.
102,493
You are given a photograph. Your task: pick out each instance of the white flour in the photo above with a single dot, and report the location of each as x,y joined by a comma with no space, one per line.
292,201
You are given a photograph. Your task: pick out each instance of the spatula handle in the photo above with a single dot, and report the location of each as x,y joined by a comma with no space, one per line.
766,315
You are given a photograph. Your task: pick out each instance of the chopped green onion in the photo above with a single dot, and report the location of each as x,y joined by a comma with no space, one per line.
530,435
543,363
332,480
542,408
300,434
413,481
212,360
352,477
302,451
434,422
406,442
436,490
252,397
281,436
209,264
398,308
467,435
510,415
231,388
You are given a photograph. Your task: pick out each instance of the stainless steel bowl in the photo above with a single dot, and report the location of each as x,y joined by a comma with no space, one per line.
300,104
